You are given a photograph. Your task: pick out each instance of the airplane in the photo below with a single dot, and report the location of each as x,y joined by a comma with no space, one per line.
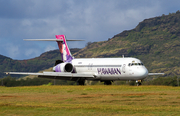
105,70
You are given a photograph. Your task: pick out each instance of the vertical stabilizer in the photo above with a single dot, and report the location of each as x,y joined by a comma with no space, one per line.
63,48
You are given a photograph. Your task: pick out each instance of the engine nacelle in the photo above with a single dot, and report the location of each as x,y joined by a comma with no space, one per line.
63,67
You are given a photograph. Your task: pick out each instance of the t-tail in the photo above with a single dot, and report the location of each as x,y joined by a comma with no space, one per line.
63,48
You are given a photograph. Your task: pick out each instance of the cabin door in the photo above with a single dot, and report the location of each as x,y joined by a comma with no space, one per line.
124,68
90,66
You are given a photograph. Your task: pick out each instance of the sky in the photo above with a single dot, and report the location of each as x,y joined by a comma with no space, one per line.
90,20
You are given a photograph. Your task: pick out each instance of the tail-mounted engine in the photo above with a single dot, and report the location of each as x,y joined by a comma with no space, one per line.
63,67
67,67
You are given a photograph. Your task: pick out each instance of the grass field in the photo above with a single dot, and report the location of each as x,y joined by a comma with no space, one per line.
89,100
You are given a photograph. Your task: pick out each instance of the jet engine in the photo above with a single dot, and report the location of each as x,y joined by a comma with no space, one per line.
63,67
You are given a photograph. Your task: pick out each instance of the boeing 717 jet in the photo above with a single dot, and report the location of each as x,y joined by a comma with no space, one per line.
95,69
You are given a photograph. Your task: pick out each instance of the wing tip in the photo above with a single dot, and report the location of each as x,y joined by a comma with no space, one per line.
7,73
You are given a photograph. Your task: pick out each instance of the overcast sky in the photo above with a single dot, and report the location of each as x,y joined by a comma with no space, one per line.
91,20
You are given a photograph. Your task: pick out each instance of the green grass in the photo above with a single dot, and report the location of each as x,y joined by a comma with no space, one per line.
89,100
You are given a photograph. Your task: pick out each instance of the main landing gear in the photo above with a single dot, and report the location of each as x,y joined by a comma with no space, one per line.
107,82
80,82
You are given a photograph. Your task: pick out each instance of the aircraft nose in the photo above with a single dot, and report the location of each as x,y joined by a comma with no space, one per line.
143,72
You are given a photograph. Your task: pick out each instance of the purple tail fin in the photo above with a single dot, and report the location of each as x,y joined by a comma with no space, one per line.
63,48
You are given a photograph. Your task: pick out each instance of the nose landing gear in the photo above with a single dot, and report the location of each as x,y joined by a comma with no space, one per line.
138,82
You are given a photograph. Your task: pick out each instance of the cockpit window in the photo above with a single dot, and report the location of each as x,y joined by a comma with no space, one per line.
136,64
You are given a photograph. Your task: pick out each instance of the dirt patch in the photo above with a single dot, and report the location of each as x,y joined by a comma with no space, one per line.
139,94
7,96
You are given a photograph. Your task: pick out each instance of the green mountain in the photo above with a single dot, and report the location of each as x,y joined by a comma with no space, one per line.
155,41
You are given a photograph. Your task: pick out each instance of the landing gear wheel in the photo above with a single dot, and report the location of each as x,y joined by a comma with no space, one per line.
81,82
139,83
107,83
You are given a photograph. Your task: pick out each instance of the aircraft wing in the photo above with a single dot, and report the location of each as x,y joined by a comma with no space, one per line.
53,74
155,73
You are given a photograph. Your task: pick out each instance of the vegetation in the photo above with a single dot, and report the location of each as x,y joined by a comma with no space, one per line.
168,81
90,100
13,82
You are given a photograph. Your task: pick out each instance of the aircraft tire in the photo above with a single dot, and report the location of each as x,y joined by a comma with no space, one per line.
139,83
81,82
107,83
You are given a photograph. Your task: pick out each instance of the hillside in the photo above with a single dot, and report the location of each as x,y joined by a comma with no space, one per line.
44,61
155,41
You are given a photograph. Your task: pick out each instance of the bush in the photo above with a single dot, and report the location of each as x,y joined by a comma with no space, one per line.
12,82
132,83
168,81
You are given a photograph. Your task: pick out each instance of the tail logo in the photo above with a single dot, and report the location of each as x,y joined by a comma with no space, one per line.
63,48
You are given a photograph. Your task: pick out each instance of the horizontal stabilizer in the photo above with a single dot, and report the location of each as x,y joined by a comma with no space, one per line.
155,73
51,40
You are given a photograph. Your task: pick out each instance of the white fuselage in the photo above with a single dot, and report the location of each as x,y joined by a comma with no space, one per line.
111,68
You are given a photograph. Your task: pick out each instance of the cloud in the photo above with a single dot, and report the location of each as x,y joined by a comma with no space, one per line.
48,48
92,20
29,52
12,49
